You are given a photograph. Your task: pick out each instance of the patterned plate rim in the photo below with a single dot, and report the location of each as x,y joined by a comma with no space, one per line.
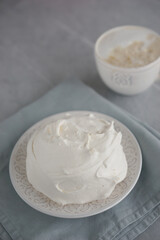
93,211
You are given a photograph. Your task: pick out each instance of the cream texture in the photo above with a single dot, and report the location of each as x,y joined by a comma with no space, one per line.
77,159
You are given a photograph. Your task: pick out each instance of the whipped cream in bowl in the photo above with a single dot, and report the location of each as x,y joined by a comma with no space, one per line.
75,164
76,159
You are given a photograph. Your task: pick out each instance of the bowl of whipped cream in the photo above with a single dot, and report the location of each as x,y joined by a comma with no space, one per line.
128,58
75,164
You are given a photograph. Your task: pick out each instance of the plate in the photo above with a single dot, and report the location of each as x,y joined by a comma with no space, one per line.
37,200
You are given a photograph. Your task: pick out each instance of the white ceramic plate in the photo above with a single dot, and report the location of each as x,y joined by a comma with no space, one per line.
43,204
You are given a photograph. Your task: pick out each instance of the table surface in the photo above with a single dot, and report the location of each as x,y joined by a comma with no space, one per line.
45,42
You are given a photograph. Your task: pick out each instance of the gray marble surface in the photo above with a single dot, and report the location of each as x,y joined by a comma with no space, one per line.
44,42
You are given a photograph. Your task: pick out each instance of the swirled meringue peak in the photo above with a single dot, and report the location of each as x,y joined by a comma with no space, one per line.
76,159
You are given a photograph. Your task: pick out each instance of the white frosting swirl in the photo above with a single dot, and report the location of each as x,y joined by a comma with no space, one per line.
76,159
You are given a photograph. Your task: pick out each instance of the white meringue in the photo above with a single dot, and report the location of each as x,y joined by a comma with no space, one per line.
77,159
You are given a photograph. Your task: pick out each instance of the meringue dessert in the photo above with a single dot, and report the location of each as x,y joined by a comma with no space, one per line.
136,54
76,159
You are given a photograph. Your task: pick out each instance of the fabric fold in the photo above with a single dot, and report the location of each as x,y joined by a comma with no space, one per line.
125,221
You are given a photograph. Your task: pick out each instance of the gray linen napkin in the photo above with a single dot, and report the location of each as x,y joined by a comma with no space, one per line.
125,221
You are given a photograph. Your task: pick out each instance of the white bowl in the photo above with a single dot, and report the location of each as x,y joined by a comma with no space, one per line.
128,81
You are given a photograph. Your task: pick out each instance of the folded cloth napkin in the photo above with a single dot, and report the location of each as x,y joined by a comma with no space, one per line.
125,221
